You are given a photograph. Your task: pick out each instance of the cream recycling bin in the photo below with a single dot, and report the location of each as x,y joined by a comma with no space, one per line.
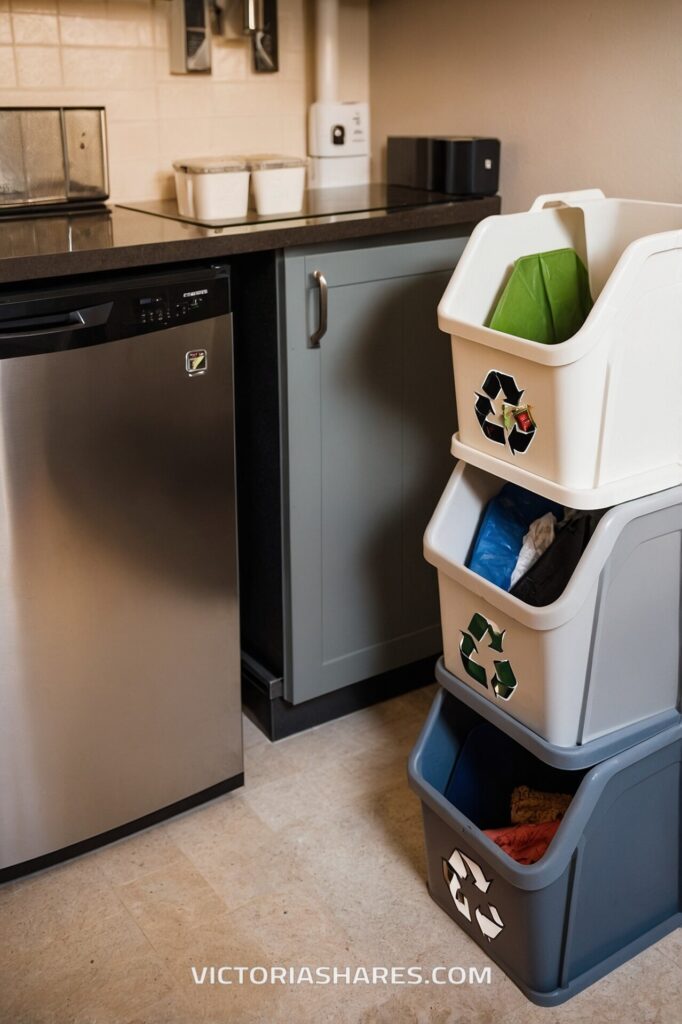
604,655
605,404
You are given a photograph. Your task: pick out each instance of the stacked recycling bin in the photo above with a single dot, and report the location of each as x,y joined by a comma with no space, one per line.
576,695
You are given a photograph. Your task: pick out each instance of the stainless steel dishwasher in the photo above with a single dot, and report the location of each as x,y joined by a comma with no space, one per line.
119,624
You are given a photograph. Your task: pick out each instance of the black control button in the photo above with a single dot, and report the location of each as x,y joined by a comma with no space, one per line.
338,135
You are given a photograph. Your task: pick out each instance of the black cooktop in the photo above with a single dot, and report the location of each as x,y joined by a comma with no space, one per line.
322,202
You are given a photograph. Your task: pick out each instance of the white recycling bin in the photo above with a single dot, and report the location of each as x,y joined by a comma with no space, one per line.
603,656
606,407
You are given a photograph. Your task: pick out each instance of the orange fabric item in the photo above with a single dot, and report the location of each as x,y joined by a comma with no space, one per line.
524,843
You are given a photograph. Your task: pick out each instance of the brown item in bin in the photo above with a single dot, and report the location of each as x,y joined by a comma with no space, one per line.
530,806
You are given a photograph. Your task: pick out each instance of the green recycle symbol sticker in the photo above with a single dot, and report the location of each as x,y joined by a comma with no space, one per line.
504,680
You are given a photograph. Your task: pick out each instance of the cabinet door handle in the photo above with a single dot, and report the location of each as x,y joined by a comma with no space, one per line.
316,337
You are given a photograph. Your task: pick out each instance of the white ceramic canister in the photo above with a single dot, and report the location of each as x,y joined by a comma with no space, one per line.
212,187
277,183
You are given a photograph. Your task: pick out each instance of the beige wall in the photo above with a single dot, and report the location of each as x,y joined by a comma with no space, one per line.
586,93
354,49
115,53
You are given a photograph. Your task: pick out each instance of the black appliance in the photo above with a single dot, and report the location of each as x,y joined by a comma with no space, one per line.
456,165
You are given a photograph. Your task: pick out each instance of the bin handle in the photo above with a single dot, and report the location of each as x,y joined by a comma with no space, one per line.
567,198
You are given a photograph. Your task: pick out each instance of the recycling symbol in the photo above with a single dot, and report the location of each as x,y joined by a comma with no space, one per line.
459,869
514,424
503,681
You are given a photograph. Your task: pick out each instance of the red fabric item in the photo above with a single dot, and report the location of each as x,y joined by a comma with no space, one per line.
524,843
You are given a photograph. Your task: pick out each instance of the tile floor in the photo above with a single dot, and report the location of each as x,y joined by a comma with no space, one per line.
318,860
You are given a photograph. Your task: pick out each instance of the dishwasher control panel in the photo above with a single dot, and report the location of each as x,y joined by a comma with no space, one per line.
85,314
169,307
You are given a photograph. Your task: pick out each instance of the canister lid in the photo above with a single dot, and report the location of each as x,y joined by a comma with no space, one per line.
274,161
211,164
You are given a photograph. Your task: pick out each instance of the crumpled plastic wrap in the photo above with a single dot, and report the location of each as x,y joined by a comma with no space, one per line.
505,521
535,543
547,579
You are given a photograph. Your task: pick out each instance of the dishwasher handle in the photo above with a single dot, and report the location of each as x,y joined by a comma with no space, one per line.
55,323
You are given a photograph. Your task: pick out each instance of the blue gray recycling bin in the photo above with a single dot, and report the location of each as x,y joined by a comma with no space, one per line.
609,884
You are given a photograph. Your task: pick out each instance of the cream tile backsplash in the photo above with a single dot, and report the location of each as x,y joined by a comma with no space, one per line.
115,53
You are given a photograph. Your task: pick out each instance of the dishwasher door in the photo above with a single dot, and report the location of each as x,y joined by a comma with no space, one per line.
119,624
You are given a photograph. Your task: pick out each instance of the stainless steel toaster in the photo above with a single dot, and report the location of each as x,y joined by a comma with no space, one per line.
52,155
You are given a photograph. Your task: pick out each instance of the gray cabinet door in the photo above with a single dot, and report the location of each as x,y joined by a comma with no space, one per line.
369,416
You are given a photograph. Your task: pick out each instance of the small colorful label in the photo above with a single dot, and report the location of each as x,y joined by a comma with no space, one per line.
511,424
503,682
196,362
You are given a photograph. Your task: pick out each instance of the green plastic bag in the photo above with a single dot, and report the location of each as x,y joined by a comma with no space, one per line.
546,299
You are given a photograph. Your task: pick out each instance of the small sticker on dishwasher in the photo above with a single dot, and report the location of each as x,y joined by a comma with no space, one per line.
196,362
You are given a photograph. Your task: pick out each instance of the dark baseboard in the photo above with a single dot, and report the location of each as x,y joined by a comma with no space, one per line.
121,831
277,718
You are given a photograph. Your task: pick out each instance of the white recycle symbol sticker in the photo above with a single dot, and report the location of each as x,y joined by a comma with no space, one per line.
456,870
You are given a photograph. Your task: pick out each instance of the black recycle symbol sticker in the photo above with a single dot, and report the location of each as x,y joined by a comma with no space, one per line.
513,425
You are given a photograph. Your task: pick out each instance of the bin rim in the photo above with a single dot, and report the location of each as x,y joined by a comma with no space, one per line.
614,492
566,842
576,757
585,576
616,294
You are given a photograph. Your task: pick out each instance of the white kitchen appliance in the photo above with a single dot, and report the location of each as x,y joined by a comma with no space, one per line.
338,132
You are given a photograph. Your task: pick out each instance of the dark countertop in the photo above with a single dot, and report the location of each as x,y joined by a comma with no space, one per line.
116,238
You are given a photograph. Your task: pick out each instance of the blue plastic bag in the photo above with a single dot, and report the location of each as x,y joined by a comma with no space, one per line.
500,536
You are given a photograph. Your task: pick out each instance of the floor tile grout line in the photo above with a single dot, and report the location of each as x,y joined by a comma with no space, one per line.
139,926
